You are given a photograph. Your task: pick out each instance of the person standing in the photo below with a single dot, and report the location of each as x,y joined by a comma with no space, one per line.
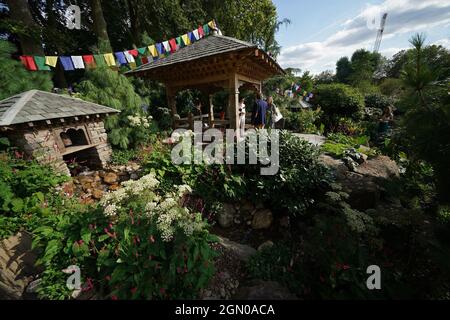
242,116
259,118
273,113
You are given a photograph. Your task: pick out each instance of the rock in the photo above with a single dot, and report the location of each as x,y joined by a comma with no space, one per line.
110,178
114,187
134,176
350,163
264,290
33,286
17,266
243,252
246,207
262,219
225,216
265,245
380,167
97,194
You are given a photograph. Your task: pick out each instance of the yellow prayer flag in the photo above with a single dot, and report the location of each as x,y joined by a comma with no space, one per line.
152,50
109,59
212,24
186,39
51,61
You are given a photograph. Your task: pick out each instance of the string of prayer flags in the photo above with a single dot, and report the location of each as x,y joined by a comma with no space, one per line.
66,63
51,61
40,63
109,59
77,62
132,58
28,62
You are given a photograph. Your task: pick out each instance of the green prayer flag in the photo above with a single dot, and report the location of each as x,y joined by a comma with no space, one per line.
206,29
142,50
99,60
40,63
180,42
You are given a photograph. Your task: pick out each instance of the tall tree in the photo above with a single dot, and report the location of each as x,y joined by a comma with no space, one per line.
28,31
343,70
100,27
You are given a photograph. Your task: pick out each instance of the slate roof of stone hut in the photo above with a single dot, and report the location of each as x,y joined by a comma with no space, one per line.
36,105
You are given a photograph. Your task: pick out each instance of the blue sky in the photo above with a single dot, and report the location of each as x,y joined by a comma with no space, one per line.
322,31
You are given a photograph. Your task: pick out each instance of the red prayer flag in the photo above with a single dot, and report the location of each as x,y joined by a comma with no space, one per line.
89,60
133,52
173,45
144,60
29,63
201,32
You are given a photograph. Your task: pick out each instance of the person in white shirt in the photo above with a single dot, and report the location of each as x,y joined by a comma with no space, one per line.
242,116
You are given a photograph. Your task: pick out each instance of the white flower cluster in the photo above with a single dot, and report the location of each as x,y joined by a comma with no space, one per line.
113,201
167,211
177,136
138,121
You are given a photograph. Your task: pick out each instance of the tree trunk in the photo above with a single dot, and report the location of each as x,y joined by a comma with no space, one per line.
100,28
136,30
59,78
20,12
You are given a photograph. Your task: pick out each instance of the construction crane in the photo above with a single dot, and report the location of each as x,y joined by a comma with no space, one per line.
376,47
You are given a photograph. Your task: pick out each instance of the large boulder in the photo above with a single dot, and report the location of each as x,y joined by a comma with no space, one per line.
262,219
16,266
264,290
365,184
225,216
242,251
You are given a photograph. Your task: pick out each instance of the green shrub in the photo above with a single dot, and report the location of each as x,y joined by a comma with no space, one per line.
122,157
140,244
14,78
378,101
132,126
25,189
303,121
338,100
298,181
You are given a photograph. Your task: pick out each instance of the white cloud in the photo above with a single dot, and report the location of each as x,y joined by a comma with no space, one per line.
404,16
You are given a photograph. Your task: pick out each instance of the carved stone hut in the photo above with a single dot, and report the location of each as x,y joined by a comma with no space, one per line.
56,129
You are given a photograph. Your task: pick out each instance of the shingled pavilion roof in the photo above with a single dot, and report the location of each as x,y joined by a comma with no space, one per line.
207,47
35,105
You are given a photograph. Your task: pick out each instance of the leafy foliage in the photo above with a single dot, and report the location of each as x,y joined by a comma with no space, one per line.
338,100
104,86
14,78
149,246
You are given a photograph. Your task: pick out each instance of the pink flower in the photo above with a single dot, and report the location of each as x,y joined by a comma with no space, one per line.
162,290
133,290
114,297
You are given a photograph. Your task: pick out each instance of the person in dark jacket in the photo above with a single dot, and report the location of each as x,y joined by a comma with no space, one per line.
260,110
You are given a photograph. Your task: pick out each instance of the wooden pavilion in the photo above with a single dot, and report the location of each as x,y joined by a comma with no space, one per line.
212,64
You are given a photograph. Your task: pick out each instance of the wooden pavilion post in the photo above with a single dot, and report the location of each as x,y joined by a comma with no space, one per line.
233,102
171,104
